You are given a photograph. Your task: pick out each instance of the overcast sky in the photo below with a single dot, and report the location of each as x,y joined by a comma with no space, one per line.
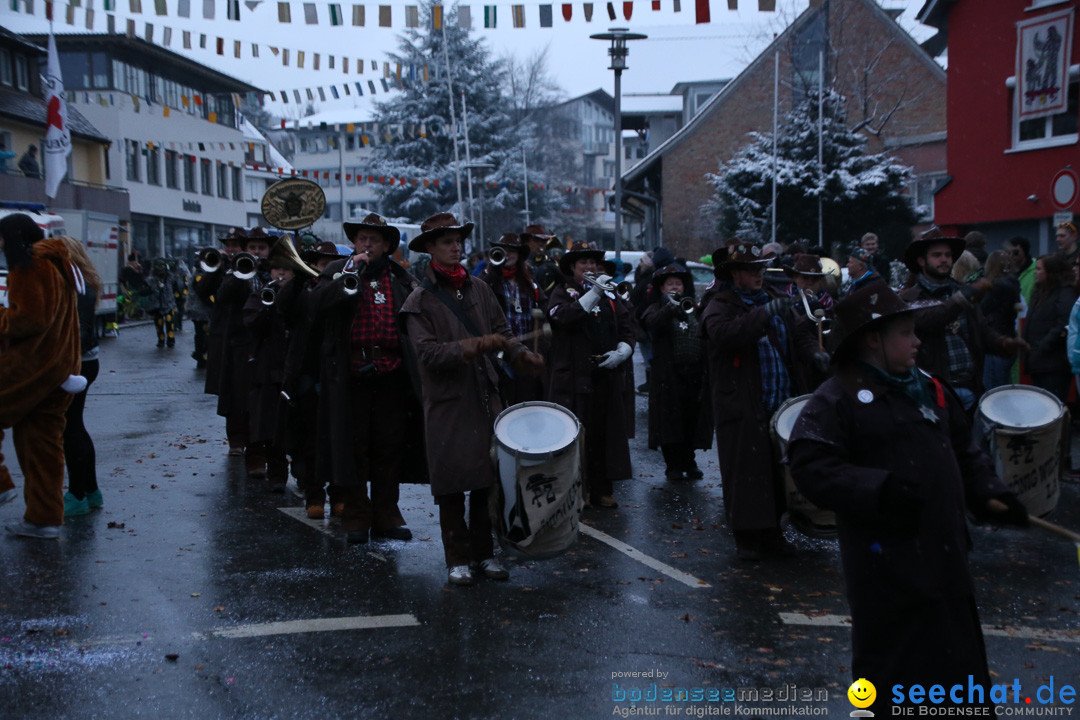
676,50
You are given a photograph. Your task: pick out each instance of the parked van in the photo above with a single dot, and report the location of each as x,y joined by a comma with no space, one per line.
51,223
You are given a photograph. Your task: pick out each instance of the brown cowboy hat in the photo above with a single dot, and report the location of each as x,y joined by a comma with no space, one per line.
324,250
579,250
743,255
674,270
436,225
865,308
918,246
378,224
805,265
512,241
536,232
236,234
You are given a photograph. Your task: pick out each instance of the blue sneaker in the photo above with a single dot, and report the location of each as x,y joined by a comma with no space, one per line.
25,528
8,495
74,506
95,500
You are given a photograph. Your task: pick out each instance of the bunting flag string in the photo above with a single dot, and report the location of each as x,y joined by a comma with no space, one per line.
332,14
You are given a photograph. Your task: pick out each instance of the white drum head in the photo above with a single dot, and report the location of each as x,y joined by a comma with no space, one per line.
536,428
1020,406
784,420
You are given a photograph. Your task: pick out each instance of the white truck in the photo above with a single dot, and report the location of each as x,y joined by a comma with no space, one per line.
99,232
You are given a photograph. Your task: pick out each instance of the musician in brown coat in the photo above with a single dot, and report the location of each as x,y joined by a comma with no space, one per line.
591,345
367,403
754,345
456,328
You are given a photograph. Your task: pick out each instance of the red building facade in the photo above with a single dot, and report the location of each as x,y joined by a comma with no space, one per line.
1007,176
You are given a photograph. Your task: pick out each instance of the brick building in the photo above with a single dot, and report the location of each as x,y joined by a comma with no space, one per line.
895,93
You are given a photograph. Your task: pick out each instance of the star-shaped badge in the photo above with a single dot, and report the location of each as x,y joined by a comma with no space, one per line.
684,326
928,413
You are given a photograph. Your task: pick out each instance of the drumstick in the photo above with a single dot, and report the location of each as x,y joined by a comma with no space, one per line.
819,315
996,506
538,317
545,331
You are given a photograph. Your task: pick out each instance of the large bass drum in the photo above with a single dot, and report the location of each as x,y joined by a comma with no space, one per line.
807,517
1023,429
537,447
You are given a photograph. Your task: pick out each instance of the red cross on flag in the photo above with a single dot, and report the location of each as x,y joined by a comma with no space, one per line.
57,134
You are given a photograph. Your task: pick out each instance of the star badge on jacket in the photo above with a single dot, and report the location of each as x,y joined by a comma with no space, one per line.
928,413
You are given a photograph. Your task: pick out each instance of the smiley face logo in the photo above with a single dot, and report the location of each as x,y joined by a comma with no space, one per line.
862,693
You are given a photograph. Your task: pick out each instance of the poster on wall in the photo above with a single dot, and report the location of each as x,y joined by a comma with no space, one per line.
1043,50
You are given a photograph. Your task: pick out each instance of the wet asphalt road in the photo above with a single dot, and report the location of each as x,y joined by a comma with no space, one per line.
157,606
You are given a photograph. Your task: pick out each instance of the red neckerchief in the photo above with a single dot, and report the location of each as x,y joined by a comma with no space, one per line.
509,272
456,275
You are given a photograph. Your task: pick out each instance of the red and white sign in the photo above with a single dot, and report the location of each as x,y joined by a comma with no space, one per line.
1064,189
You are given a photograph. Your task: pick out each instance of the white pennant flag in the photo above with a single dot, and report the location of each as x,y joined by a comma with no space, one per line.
57,134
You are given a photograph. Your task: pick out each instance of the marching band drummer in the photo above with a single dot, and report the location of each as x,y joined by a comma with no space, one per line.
367,406
755,348
517,295
678,365
455,327
889,449
592,340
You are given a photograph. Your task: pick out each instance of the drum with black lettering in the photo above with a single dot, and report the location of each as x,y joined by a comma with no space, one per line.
537,447
1023,429
807,517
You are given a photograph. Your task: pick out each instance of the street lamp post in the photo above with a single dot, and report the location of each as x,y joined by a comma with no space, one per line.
618,52
482,170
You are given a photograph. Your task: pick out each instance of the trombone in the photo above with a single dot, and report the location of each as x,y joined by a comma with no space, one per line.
622,290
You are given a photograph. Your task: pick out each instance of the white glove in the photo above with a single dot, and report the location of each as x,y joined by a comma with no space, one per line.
591,299
614,358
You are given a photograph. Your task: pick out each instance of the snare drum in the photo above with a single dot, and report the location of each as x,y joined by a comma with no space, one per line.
537,447
1022,428
805,516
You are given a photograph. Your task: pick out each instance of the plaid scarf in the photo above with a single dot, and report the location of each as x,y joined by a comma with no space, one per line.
518,306
775,379
957,333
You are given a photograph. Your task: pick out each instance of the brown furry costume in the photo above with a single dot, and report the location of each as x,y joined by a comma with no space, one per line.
41,327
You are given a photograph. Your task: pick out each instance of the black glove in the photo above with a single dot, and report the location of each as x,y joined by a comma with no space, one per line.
821,362
776,305
1014,514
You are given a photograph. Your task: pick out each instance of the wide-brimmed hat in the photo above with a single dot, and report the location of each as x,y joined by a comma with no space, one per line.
806,265
435,226
918,246
257,233
673,270
325,250
866,307
235,234
377,224
536,232
579,250
744,254
512,241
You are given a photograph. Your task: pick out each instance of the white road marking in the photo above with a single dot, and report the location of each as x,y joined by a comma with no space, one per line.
643,558
300,514
1022,633
292,627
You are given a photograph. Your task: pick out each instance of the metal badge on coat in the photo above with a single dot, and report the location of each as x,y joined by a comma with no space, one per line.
865,396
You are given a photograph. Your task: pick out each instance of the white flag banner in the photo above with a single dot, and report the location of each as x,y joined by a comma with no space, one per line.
1043,51
57,134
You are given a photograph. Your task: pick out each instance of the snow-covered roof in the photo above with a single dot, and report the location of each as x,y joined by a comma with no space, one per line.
362,111
651,104
251,132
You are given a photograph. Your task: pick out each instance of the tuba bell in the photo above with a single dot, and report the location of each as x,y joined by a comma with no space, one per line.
283,253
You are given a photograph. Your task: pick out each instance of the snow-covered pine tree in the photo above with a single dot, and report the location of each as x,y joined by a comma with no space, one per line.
860,192
494,137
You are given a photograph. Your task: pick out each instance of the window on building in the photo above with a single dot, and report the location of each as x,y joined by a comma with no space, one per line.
609,169
22,73
189,173
153,165
171,180
99,69
807,45
255,187
1060,129
7,72
222,180
350,142
237,184
207,171
922,189
131,157
75,69
356,209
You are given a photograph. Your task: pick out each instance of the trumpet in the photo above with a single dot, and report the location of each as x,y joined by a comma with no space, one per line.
269,293
245,266
622,290
211,260
496,256
686,304
350,279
